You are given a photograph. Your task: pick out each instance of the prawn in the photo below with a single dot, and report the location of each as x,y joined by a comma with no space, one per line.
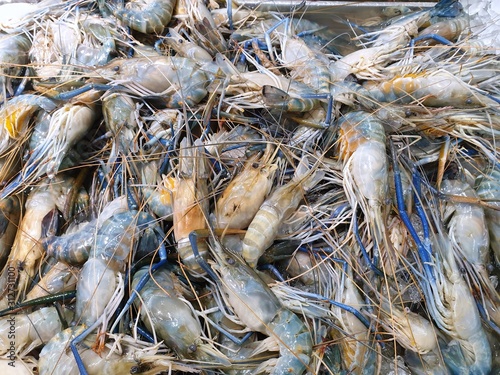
388,44
435,89
31,330
281,204
169,316
449,300
60,278
365,171
178,80
240,201
488,188
27,249
359,353
13,55
67,126
10,213
145,16
190,203
125,355
106,257
260,310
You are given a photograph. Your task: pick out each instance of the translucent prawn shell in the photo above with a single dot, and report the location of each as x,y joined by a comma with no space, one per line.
363,140
164,313
240,201
177,79
31,330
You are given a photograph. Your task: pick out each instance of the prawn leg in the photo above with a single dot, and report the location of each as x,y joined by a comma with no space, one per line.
85,88
424,251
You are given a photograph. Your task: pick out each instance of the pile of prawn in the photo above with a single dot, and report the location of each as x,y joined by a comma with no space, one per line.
201,187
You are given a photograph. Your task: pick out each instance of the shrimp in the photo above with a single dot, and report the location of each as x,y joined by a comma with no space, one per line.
282,203
10,212
18,16
16,114
13,55
106,257
467,226
158,194
124,356
365,171
388,44
411,330
190,203
28,330
170,317
119,112
67,126
308,66
260,310
176,79
449,29
358,352
27,249
240,201
60,278
434,89
488,188
202,25
456,313
145,16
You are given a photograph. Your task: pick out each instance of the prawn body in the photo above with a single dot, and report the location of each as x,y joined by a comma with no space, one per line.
16,115
113,244
27,249
32,330
281,204
437,89
103,254
488,188
366,178
13,54
260,310
145,16
163,312
240,201
190,203
179,80
10,212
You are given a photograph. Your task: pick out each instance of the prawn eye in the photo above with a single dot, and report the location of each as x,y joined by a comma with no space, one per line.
192,348
468,101
255,165
180,41
116,68
230,261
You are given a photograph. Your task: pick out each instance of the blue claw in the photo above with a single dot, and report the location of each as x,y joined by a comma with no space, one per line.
423,251
372,265
193,240
85,88
145,334
438,38
273,269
